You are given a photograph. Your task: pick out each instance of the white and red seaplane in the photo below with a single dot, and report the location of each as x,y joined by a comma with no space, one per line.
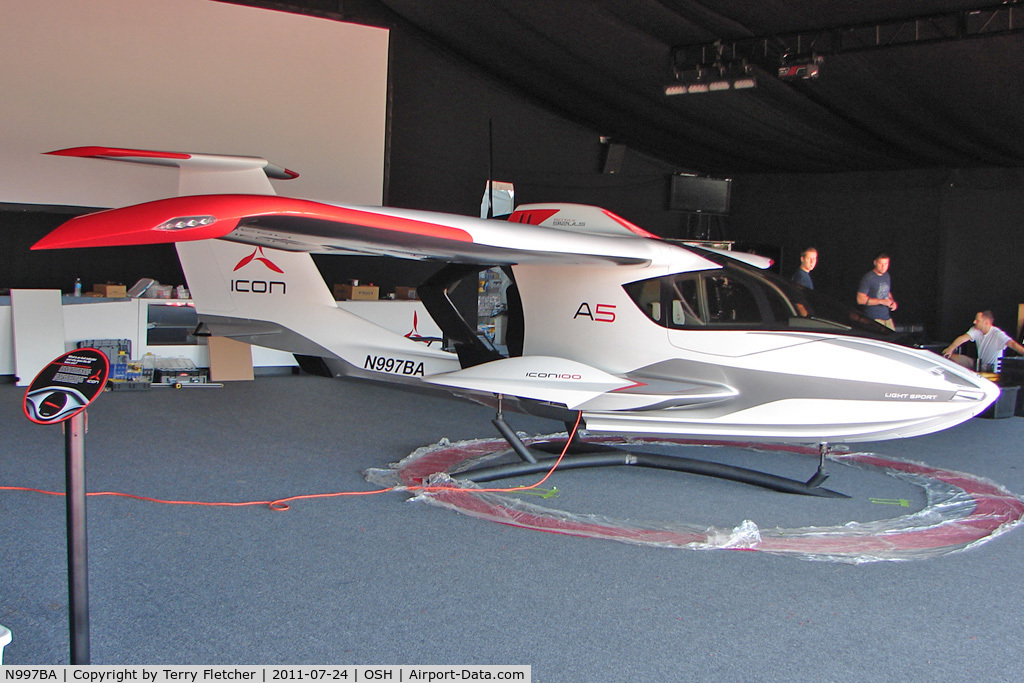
630,333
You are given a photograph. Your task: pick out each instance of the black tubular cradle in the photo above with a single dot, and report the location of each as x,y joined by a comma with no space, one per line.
582,455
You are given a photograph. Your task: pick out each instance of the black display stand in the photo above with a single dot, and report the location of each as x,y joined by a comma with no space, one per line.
78,551
59,394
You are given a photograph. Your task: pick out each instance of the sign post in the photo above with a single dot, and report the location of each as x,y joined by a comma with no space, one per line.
59,394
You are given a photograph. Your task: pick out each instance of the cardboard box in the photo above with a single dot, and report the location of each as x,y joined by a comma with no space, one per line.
111,291
230,360
405,293
356,292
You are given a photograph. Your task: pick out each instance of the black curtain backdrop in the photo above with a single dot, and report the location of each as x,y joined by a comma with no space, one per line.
22,226
952,234
954,237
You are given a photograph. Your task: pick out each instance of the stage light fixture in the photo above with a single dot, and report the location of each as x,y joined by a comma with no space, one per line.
718,77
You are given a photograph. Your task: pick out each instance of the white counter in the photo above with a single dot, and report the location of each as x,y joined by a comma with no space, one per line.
89,318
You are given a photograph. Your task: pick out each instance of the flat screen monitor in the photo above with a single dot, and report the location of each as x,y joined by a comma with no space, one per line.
699,194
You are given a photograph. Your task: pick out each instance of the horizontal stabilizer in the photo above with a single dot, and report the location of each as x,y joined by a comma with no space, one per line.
206,162
198,174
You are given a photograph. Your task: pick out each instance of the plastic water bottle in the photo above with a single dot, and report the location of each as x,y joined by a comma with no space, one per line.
148,366
78,286
121,366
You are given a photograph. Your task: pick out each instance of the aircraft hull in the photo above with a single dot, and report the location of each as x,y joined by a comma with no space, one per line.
892,392
785,429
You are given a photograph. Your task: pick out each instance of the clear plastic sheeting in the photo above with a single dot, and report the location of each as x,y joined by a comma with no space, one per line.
961,510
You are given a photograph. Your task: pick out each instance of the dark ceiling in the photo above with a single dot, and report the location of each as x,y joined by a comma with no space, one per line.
943,92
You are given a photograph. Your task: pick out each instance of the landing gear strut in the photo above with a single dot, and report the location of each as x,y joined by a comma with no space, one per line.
537,459
821,475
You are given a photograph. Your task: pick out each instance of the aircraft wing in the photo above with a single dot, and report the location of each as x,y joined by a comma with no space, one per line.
294,224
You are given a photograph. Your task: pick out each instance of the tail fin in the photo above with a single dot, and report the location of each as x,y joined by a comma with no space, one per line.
264,296
278,299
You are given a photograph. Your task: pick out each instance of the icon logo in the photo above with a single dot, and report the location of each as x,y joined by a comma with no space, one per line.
257,255
259,286
414,333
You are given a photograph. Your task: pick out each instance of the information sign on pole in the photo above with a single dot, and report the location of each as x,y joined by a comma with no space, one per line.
66,386
60,392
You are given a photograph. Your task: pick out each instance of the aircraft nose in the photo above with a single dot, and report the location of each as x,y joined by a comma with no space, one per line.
973,387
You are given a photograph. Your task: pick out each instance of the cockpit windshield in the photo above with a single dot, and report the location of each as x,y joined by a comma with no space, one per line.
738,296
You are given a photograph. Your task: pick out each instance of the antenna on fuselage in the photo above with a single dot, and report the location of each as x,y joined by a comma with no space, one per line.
490,168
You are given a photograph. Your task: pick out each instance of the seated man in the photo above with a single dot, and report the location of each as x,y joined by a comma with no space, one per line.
990,341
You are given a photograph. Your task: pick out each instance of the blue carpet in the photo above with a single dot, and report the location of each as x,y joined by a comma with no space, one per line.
379,580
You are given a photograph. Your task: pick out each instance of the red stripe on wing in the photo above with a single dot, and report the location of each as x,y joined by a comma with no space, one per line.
139,224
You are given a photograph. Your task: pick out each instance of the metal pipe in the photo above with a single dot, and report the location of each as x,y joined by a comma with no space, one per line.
78,556
513,439
665,462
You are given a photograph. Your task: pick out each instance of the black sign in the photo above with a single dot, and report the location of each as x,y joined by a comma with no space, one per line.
66,386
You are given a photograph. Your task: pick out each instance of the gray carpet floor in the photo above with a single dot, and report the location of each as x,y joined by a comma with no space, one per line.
382,580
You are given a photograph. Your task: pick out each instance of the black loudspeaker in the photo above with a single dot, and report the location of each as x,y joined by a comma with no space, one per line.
613,158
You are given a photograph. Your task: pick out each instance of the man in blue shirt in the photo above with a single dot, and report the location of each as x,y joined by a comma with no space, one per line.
875,292
808,259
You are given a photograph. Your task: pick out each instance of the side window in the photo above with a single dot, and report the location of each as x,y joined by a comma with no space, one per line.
720,298
730,301
740,297
685,301
649,299
781,308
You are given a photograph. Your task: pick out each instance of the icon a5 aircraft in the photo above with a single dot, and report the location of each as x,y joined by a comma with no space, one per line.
632,334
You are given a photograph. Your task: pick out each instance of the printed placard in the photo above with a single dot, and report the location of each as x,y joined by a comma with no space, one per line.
66,386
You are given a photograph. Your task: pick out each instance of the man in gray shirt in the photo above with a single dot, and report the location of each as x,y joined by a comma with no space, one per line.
875,292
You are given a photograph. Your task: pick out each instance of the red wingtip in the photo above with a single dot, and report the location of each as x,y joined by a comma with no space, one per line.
139,224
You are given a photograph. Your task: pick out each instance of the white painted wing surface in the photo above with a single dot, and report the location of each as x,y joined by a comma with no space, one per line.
302,225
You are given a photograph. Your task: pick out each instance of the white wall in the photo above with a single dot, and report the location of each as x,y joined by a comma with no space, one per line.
305,93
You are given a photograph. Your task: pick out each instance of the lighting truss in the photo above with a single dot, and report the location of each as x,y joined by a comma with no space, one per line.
799,55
